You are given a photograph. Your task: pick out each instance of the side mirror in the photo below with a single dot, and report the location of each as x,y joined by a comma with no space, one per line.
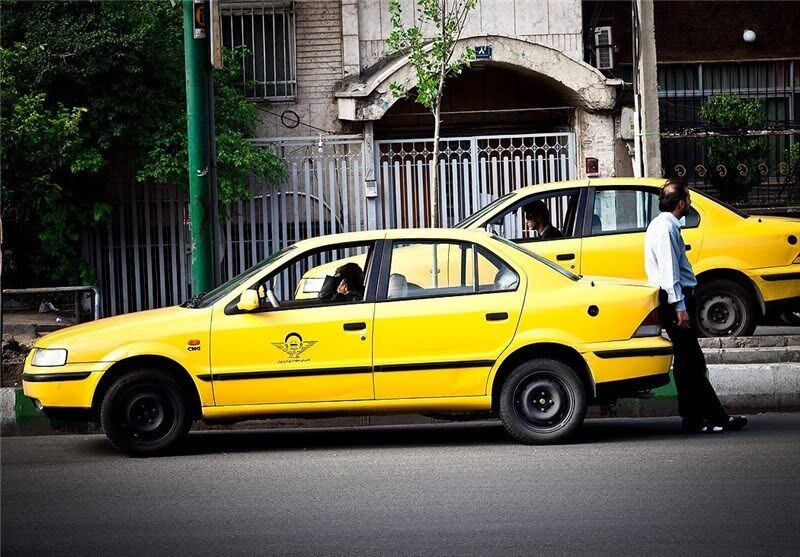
248,301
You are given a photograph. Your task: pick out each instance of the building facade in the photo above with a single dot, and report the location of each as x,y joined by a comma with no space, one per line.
550,97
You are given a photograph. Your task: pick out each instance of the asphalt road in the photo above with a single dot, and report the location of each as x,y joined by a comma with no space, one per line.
628,486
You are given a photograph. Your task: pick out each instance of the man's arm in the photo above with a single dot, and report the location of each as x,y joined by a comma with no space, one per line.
328,290
668,270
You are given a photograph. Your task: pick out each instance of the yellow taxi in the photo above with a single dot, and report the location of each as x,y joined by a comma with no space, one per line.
499,329
747,266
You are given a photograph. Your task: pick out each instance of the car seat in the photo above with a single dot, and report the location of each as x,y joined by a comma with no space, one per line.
597,225
398,286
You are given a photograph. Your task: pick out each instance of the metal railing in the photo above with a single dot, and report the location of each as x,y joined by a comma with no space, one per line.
64,289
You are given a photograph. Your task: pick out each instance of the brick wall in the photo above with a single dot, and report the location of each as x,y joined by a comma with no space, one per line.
318,25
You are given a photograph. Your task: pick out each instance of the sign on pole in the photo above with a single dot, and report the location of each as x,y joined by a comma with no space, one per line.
215,24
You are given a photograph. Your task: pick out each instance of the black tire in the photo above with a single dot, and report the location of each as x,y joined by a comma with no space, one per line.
558,411
790,317
145,412
725,308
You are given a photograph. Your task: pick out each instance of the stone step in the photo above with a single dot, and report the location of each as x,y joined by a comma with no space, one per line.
764,341
758,355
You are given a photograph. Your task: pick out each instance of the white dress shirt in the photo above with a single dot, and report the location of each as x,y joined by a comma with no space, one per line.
665,259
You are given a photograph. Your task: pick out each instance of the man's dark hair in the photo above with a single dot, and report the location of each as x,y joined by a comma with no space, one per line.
537,210
671,194
353,274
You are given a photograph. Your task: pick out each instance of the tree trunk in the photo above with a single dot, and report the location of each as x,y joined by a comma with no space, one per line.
435,165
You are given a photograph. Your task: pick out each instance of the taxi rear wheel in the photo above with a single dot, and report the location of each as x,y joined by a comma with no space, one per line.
725,309
145,412
542,401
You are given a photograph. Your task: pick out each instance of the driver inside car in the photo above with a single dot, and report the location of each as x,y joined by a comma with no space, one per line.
346,285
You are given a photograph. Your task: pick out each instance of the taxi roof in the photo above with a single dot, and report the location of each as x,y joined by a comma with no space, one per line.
586,182
397,233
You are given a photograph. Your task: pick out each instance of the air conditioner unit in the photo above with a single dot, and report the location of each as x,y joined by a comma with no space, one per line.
603,48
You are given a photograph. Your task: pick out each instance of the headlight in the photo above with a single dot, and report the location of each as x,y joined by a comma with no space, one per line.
49,357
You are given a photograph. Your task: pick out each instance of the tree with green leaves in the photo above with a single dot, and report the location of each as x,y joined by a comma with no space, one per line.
433,59
733,156
84,86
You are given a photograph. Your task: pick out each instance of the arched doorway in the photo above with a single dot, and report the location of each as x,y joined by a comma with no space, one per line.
516,119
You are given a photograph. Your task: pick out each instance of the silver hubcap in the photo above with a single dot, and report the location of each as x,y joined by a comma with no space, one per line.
720,315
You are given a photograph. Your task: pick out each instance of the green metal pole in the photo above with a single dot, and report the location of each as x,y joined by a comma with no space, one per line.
197,75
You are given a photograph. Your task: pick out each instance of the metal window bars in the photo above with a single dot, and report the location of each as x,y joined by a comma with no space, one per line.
267,30
683,88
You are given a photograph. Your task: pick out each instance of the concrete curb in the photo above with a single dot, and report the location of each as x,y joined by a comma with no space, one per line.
742,388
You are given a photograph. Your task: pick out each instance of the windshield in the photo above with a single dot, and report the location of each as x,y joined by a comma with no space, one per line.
474,217
569,274
220,291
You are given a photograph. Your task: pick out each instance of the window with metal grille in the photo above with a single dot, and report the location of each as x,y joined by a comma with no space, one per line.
604,48
267,30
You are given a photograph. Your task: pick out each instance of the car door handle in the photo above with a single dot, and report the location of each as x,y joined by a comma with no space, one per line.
499,316
565,256
359,326
688,247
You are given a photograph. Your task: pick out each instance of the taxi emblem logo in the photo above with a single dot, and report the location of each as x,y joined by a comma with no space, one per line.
294,345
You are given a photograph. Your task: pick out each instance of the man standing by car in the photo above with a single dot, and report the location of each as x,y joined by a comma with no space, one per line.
668,268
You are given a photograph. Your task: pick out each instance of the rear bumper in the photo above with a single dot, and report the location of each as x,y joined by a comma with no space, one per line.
777,284
635,359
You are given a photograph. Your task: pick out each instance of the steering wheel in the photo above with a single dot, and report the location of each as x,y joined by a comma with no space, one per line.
273,300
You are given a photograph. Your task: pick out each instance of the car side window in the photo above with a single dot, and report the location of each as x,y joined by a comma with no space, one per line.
623,210
424,269
523,221
332,275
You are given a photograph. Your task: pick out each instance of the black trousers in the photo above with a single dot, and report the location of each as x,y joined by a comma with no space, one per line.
697,399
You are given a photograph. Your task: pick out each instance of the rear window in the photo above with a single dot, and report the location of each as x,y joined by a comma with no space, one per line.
730,208
543,260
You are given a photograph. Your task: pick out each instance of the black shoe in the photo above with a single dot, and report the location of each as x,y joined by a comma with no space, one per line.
695,426
733,423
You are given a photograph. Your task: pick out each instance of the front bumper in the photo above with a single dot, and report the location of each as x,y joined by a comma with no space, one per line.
70,386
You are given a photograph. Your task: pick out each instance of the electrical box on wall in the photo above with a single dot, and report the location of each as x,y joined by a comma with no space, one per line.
592,167
626,117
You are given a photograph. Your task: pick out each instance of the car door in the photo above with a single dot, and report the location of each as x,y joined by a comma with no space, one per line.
615,223
441,338
565,209
303,351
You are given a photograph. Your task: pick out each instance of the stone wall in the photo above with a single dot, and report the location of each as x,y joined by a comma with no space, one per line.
554,23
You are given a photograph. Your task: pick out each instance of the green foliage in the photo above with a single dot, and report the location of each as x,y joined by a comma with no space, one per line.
792,157
432,59
739,154
87,85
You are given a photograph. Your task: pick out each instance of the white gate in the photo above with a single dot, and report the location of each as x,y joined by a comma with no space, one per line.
323,194
142,257
473,171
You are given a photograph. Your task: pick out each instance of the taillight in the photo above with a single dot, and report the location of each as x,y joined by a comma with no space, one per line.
650,327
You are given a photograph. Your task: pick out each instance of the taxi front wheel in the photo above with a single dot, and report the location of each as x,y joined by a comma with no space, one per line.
542,401
145,412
